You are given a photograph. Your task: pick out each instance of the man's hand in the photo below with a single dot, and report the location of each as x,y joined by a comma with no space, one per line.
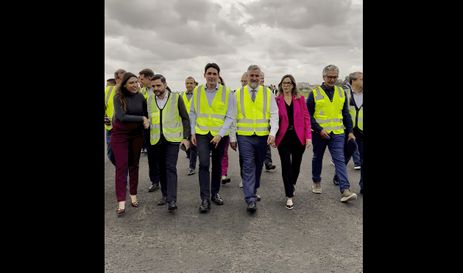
215,140
324,134
193,139
107,121
271,141
146,123
351,136
308,143
186,143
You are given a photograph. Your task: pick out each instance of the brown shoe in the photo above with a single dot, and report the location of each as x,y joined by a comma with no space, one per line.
317,187
348,195
120,212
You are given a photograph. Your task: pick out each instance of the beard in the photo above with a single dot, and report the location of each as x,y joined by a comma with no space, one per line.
253,85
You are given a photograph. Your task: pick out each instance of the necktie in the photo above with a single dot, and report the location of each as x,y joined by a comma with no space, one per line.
253,94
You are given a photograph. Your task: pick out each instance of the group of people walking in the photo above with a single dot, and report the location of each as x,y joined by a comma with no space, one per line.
209,117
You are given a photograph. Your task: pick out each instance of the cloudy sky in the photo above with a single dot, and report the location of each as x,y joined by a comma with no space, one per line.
177,38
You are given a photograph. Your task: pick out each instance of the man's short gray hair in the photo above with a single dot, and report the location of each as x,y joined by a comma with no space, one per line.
354,75
253,67
330,67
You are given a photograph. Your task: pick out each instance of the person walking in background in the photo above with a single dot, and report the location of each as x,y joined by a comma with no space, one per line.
355,101
329,114
146,90
111,82
212,112
109,93
130,117
244,82
225,178
170,127
192,152
293,134
268,156
356,155
256,127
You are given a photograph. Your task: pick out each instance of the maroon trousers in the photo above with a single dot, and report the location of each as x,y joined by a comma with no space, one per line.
126,142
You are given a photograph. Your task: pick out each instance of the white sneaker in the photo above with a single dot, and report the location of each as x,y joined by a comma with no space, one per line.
241,184
317,187
289,203
357,167
348,195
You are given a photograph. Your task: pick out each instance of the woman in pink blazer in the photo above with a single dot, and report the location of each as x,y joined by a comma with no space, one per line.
293,135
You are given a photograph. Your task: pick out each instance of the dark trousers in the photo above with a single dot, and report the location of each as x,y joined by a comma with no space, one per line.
359,140
165,155
108,147
291,151
268,157
126,148
192,154
252,151
336,147
209,184
349,152
153,164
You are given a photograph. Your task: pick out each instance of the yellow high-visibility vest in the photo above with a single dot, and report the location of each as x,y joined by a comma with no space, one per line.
172,128
329,114
210,118
144,92
187,102
109,93
354,115
253,117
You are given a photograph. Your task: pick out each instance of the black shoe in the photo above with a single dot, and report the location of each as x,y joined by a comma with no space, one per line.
270,167
153,187
252,207
162,202
217,199
225,179
336,181
172,205
191,171
205,206
258,198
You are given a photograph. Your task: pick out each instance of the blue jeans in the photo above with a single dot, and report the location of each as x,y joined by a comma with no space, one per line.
336,148
110,150
348,153
356,158
252,151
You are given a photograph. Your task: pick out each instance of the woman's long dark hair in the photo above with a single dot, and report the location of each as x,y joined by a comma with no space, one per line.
280,85
122,92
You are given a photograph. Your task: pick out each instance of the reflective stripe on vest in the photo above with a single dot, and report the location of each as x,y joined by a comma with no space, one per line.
329,114
172,128
253,117
187,102
355,115
210,118
108,95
